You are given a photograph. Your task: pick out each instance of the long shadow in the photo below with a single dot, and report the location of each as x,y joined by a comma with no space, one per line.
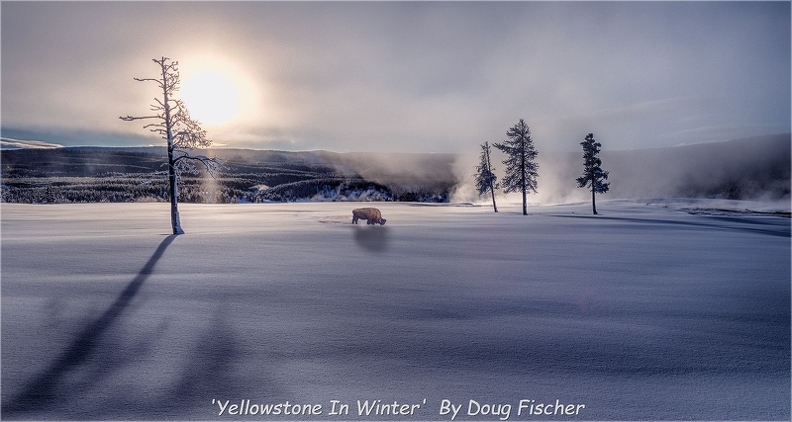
776,231
41,392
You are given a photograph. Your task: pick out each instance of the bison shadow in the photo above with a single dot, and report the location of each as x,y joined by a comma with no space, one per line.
372,238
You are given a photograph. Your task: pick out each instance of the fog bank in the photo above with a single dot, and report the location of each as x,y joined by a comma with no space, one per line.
755,168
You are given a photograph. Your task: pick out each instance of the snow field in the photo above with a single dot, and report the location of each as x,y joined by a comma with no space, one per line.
642,312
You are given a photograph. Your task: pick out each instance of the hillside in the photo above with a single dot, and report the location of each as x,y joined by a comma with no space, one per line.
98,174
744,169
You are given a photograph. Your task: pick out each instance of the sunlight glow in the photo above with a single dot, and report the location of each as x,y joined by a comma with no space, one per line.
212,97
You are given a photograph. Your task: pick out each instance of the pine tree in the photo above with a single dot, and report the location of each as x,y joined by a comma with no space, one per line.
593,176
521,167
180,132
485,176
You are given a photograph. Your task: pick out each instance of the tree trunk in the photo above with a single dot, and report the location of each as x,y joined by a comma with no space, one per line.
489,170
593,201
494,206
493,199
174,195
172,180
524,176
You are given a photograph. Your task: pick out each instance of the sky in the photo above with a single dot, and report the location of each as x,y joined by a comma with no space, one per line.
401,76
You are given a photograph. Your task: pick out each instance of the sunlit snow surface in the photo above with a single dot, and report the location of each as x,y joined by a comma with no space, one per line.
642,312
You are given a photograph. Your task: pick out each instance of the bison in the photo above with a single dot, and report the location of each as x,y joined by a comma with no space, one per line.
371,215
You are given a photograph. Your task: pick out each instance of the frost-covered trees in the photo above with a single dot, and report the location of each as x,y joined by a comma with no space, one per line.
593,176
485,174
521,167
172,121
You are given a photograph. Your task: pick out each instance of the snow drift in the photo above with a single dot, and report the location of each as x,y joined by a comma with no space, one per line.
642,313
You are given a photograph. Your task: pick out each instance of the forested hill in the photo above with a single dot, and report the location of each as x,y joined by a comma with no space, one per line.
751,168
95,174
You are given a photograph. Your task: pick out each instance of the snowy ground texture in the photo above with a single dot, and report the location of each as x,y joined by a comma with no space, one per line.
645,312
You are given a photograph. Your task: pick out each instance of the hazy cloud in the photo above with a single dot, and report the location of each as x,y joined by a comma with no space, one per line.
406,76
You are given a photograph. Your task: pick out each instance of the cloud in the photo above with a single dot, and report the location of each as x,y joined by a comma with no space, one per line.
425,77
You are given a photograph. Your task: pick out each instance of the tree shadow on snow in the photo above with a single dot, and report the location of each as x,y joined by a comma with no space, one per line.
373,238
42,392
747,225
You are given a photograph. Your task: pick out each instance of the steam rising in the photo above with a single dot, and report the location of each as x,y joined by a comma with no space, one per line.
752,168
429,170
746,169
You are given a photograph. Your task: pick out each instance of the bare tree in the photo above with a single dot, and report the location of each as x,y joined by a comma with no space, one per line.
521,167
485,174
172,121
593,175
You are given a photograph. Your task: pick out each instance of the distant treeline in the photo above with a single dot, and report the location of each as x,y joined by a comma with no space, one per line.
94,174
751,168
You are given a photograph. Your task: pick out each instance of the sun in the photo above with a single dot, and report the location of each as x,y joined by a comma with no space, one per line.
212,97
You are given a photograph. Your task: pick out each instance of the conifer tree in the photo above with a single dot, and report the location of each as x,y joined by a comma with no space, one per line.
485,174
521,167
593,176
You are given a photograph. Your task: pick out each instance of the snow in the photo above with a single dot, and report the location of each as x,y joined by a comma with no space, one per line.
723,206
11,143
645,312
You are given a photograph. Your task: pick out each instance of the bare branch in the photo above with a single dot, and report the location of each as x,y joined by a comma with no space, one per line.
212,165
201,158
148,80
131,118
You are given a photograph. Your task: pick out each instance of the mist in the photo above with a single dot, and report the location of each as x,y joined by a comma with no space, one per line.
756,168
428,170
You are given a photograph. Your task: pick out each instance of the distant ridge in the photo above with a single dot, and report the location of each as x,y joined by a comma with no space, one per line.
756,168
10,143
